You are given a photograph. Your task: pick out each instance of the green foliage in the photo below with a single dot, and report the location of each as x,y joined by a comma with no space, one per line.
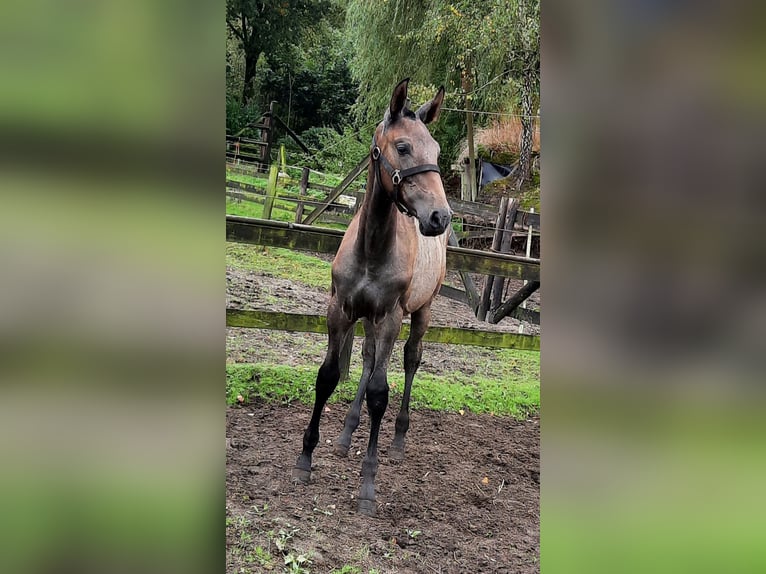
336,152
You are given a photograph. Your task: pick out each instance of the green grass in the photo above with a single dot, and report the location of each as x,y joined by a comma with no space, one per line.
517,393
281,263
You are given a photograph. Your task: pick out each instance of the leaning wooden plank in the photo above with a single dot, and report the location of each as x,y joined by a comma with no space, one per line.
518,298
360,167
325,240
300,323
455,294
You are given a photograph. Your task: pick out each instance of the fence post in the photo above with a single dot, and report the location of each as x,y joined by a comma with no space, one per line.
267,136
302,192
271,192
505,247
481,313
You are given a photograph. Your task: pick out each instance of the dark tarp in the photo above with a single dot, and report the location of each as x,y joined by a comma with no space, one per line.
492,171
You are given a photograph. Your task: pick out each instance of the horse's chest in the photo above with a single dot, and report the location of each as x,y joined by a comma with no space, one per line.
370,296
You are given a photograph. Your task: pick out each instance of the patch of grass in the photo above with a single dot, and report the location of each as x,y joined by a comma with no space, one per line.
278,262
279,212
516,392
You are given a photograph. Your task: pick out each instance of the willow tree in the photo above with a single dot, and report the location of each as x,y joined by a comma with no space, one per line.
493,44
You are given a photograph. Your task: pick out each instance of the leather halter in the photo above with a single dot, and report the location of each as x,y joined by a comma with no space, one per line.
397,175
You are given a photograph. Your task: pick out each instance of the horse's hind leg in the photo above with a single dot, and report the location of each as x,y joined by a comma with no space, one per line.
338,327
385,335
413,351
351,423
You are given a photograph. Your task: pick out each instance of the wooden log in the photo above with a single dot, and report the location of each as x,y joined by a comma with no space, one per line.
303,186
470,287
520,296
481,313
360,167
257,319
325,240
496,296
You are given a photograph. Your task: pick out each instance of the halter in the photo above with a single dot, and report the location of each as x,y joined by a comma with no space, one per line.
397,175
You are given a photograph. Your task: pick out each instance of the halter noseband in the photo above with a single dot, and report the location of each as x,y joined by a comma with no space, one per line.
397,175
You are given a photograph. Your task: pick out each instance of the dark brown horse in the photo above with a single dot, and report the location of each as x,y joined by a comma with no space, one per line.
390,264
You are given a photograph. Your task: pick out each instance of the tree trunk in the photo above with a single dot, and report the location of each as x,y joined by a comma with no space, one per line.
527,130
251,63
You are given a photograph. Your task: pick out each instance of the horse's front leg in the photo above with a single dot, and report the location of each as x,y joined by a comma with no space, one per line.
413,351
385,334
351,422
338,326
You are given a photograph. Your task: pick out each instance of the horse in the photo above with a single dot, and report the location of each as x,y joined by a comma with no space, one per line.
390,264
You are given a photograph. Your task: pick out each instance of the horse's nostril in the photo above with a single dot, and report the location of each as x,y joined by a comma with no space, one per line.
439,219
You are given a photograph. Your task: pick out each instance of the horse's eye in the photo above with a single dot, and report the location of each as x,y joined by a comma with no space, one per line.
403,149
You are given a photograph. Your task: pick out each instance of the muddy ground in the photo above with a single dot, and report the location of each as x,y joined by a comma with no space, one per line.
465,499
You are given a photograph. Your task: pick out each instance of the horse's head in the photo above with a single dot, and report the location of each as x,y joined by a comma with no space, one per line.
405,157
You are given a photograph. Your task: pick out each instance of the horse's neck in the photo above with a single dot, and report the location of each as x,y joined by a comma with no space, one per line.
377,237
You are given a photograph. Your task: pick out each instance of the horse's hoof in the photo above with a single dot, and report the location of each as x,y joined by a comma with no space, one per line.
395,453
301,476
367,507
340,450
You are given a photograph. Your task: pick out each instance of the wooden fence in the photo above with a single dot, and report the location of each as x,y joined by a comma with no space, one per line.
318,239
502,225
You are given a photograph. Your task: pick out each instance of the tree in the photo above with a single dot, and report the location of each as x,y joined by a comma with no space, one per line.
272,28
491,46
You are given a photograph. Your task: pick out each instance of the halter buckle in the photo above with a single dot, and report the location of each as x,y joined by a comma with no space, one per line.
396,177
375,153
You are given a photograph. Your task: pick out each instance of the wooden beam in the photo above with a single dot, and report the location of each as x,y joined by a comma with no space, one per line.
293,135
455,294
360,167
295,322
518,298
482,210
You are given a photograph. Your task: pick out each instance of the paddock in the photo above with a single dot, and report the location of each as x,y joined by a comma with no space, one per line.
466,497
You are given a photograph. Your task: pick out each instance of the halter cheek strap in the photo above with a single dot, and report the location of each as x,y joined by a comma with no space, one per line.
397,175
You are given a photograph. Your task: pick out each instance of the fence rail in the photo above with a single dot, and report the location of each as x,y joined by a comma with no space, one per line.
312,238
300,323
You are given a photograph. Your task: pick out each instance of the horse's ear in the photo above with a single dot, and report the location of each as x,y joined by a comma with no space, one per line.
398,100
429,111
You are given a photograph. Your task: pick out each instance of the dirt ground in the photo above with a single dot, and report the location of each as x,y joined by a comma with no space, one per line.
464,500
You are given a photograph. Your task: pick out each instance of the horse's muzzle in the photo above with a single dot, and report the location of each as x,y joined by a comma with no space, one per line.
436,222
